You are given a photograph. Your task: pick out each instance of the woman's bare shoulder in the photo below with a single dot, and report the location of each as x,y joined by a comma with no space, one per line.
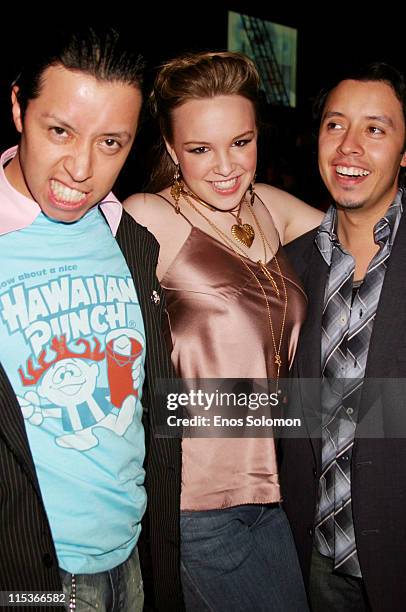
150,210
158,214
275,198
146,207
291,215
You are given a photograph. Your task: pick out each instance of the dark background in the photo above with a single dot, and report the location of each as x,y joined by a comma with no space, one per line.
331,39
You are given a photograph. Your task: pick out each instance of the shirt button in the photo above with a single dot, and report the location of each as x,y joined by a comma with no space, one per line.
343,320
350,410
345,457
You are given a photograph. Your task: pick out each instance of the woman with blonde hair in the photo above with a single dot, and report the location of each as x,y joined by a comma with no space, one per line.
234,308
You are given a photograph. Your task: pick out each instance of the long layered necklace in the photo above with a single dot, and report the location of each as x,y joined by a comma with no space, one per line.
241,253
241,232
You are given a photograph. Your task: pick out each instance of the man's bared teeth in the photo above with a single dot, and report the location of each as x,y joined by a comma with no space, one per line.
351,171
66,194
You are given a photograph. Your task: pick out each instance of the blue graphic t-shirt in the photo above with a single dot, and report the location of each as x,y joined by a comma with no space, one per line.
72,343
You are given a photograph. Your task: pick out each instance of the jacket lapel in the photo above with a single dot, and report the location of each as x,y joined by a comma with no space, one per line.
387,338
308,359
309,354
390,318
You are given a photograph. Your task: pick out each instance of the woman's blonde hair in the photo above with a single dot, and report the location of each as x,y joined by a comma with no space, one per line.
192,77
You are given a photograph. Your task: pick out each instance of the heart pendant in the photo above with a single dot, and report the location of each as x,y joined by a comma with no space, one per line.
243,233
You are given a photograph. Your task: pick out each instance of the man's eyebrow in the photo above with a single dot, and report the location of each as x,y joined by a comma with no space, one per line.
124,134
381,118
61,123
329,114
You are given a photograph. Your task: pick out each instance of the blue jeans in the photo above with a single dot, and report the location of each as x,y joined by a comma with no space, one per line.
117,589
240,559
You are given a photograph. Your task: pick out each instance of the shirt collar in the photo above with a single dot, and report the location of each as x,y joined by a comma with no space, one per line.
17,211
384,231
386,228
326,237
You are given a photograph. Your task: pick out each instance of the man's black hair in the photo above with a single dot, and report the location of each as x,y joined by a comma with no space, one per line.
101,52
377,71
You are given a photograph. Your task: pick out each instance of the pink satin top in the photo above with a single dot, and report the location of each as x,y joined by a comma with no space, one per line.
220,329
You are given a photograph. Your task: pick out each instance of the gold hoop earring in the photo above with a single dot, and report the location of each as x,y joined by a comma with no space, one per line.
177,188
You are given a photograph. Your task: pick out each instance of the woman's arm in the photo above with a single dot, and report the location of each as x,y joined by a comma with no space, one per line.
292,217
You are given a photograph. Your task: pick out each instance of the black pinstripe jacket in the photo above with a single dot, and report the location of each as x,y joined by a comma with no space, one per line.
27,553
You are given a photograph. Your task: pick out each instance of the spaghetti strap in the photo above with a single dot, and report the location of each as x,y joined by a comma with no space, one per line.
271,217
178,213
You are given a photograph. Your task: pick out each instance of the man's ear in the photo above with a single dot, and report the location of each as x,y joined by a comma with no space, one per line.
16,109
403,160
171,152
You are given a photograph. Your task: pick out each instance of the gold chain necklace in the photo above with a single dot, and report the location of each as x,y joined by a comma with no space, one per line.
270,277
277,346
241,232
